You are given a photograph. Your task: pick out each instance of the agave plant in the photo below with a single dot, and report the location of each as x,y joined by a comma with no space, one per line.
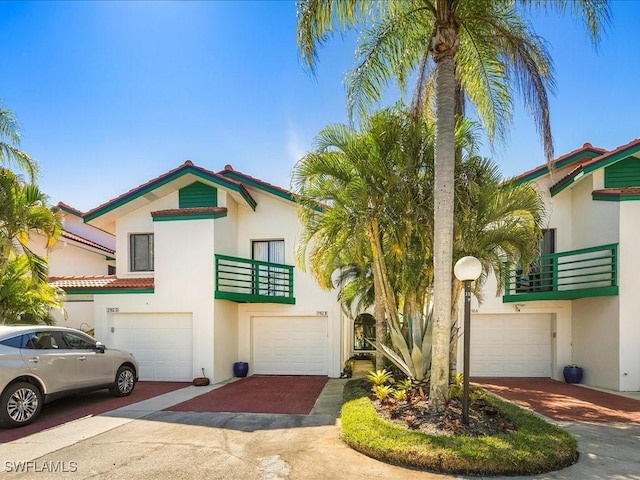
411,352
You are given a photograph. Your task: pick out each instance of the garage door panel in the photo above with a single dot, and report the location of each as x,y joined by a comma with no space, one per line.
511,346
290,345
161,343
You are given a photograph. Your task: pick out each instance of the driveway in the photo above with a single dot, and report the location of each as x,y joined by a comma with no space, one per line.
145,441
74,407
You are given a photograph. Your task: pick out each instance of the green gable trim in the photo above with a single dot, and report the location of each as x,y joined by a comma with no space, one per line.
197,195
83,291
169,178
260,186
615,197
605,162
110,258
623,174
195,216
539,172
68,210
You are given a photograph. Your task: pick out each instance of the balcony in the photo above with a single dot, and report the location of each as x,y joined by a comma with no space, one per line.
584,273
244,280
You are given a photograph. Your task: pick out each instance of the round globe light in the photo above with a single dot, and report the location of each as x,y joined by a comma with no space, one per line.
467,268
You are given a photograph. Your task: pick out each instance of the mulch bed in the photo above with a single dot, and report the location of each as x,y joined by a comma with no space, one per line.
72,408
563,401
285,394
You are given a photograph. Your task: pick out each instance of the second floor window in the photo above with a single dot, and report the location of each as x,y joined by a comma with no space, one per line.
271,281
141,252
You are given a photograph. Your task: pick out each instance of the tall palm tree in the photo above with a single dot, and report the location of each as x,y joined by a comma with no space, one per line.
10,154
480,48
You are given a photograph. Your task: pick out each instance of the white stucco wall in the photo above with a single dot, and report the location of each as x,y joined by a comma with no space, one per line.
593,223
596,340
76,225
629,334
78,312
273,219
225,339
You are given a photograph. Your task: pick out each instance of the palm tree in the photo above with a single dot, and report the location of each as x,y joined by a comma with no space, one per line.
369,184
9,143
479,48
23,210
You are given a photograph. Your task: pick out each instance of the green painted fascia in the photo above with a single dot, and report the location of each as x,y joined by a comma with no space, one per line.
248,298
189,169
260,186
563,163
68,210
84,291
109,258
614,198
197,216
595,166
562,295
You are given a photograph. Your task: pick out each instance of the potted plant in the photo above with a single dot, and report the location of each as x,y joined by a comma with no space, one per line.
572,373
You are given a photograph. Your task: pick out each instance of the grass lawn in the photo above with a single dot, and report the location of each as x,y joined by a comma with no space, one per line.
535,447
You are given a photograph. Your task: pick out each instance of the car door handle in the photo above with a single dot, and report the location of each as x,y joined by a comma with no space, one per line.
82,359
34,359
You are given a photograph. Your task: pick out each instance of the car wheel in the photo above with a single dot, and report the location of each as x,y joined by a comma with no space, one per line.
20,404
125,381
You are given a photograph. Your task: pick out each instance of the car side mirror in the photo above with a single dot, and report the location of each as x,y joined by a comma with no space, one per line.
100,347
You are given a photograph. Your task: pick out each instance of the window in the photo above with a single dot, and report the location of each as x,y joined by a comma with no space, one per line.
15,342
41,340
77,341
111,270
141,252
272,281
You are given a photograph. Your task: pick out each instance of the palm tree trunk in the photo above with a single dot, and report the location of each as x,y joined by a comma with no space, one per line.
378,312
443,221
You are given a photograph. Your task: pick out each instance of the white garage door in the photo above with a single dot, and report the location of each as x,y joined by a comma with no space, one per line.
290,345
162,343
510,346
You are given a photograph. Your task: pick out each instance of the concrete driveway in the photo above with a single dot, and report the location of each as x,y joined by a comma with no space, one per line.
142,441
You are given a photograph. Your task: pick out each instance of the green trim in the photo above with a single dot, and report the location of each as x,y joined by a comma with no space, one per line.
97,290
195,216
543,170
248,298
623,174
196,195
110,258
608,160
259,185
75,213
617,197
159,183
581,273
562,295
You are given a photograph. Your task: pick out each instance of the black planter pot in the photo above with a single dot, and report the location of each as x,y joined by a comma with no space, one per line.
240,369
572,374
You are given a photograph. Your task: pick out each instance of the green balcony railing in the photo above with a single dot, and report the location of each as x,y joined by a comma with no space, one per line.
252,281
583,273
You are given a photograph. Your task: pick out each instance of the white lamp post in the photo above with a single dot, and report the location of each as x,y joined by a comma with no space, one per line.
467,269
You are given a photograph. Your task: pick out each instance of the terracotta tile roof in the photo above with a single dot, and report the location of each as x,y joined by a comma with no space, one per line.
79,239
100,282
176,212
587,147
618,192
70,209
188,165
229,168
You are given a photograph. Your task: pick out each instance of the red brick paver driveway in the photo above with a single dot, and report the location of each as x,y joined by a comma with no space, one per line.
563,401
88,404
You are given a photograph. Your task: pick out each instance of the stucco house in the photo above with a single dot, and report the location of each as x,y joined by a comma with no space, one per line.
579,303
205,277
81,250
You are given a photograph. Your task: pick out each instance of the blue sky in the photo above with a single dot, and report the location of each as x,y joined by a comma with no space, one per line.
112,94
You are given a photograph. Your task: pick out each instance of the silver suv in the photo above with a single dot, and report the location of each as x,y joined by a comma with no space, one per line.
40,363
